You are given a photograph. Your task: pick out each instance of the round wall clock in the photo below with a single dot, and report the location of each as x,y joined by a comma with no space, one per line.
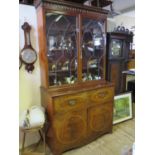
28,55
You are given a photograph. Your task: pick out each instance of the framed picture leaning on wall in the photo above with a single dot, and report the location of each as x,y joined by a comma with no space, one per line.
122,107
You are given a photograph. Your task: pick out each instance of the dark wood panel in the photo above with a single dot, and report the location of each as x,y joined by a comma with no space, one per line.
116,64
115,75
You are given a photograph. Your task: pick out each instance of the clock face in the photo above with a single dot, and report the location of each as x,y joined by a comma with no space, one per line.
28,56
116,46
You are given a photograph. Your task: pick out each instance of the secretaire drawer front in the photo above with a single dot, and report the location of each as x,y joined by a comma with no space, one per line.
101,95
70,102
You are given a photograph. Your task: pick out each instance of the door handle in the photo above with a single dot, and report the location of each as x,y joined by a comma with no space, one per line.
72,102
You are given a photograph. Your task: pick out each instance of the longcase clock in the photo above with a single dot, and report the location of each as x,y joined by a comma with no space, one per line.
118,47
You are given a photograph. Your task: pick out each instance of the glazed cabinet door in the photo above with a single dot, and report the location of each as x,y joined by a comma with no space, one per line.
61,48
93,48
100,119
75,48
69,129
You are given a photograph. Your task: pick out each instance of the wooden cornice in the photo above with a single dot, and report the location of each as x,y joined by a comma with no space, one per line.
68,6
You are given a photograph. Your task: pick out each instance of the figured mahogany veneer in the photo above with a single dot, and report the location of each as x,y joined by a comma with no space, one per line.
102,95
69,102
78,116
81,112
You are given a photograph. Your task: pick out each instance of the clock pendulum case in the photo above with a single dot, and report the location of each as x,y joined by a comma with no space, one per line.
28,55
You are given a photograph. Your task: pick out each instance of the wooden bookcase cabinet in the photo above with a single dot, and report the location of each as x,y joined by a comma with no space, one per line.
78,100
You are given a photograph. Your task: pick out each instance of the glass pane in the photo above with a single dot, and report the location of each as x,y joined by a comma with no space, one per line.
116,46
93,42
62,50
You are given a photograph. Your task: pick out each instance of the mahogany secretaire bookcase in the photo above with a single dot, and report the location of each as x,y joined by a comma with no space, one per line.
77,98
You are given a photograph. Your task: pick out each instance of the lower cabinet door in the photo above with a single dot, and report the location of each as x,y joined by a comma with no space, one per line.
69,129
100,119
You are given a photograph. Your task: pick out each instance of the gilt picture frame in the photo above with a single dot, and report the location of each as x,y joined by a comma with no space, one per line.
122,108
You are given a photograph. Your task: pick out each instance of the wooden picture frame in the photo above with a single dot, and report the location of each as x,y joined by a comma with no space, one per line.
122,107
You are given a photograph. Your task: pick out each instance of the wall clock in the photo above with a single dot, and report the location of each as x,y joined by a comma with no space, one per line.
28,55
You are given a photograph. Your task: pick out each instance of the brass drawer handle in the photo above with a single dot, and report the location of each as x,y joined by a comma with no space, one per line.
102,94
72,102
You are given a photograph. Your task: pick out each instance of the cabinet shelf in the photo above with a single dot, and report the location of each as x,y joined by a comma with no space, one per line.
61,71
90,68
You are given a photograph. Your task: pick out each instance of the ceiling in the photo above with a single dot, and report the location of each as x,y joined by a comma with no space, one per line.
130,14
126,7
120,7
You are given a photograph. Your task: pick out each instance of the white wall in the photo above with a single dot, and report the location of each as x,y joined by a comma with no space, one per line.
111,24
29,83
127,20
